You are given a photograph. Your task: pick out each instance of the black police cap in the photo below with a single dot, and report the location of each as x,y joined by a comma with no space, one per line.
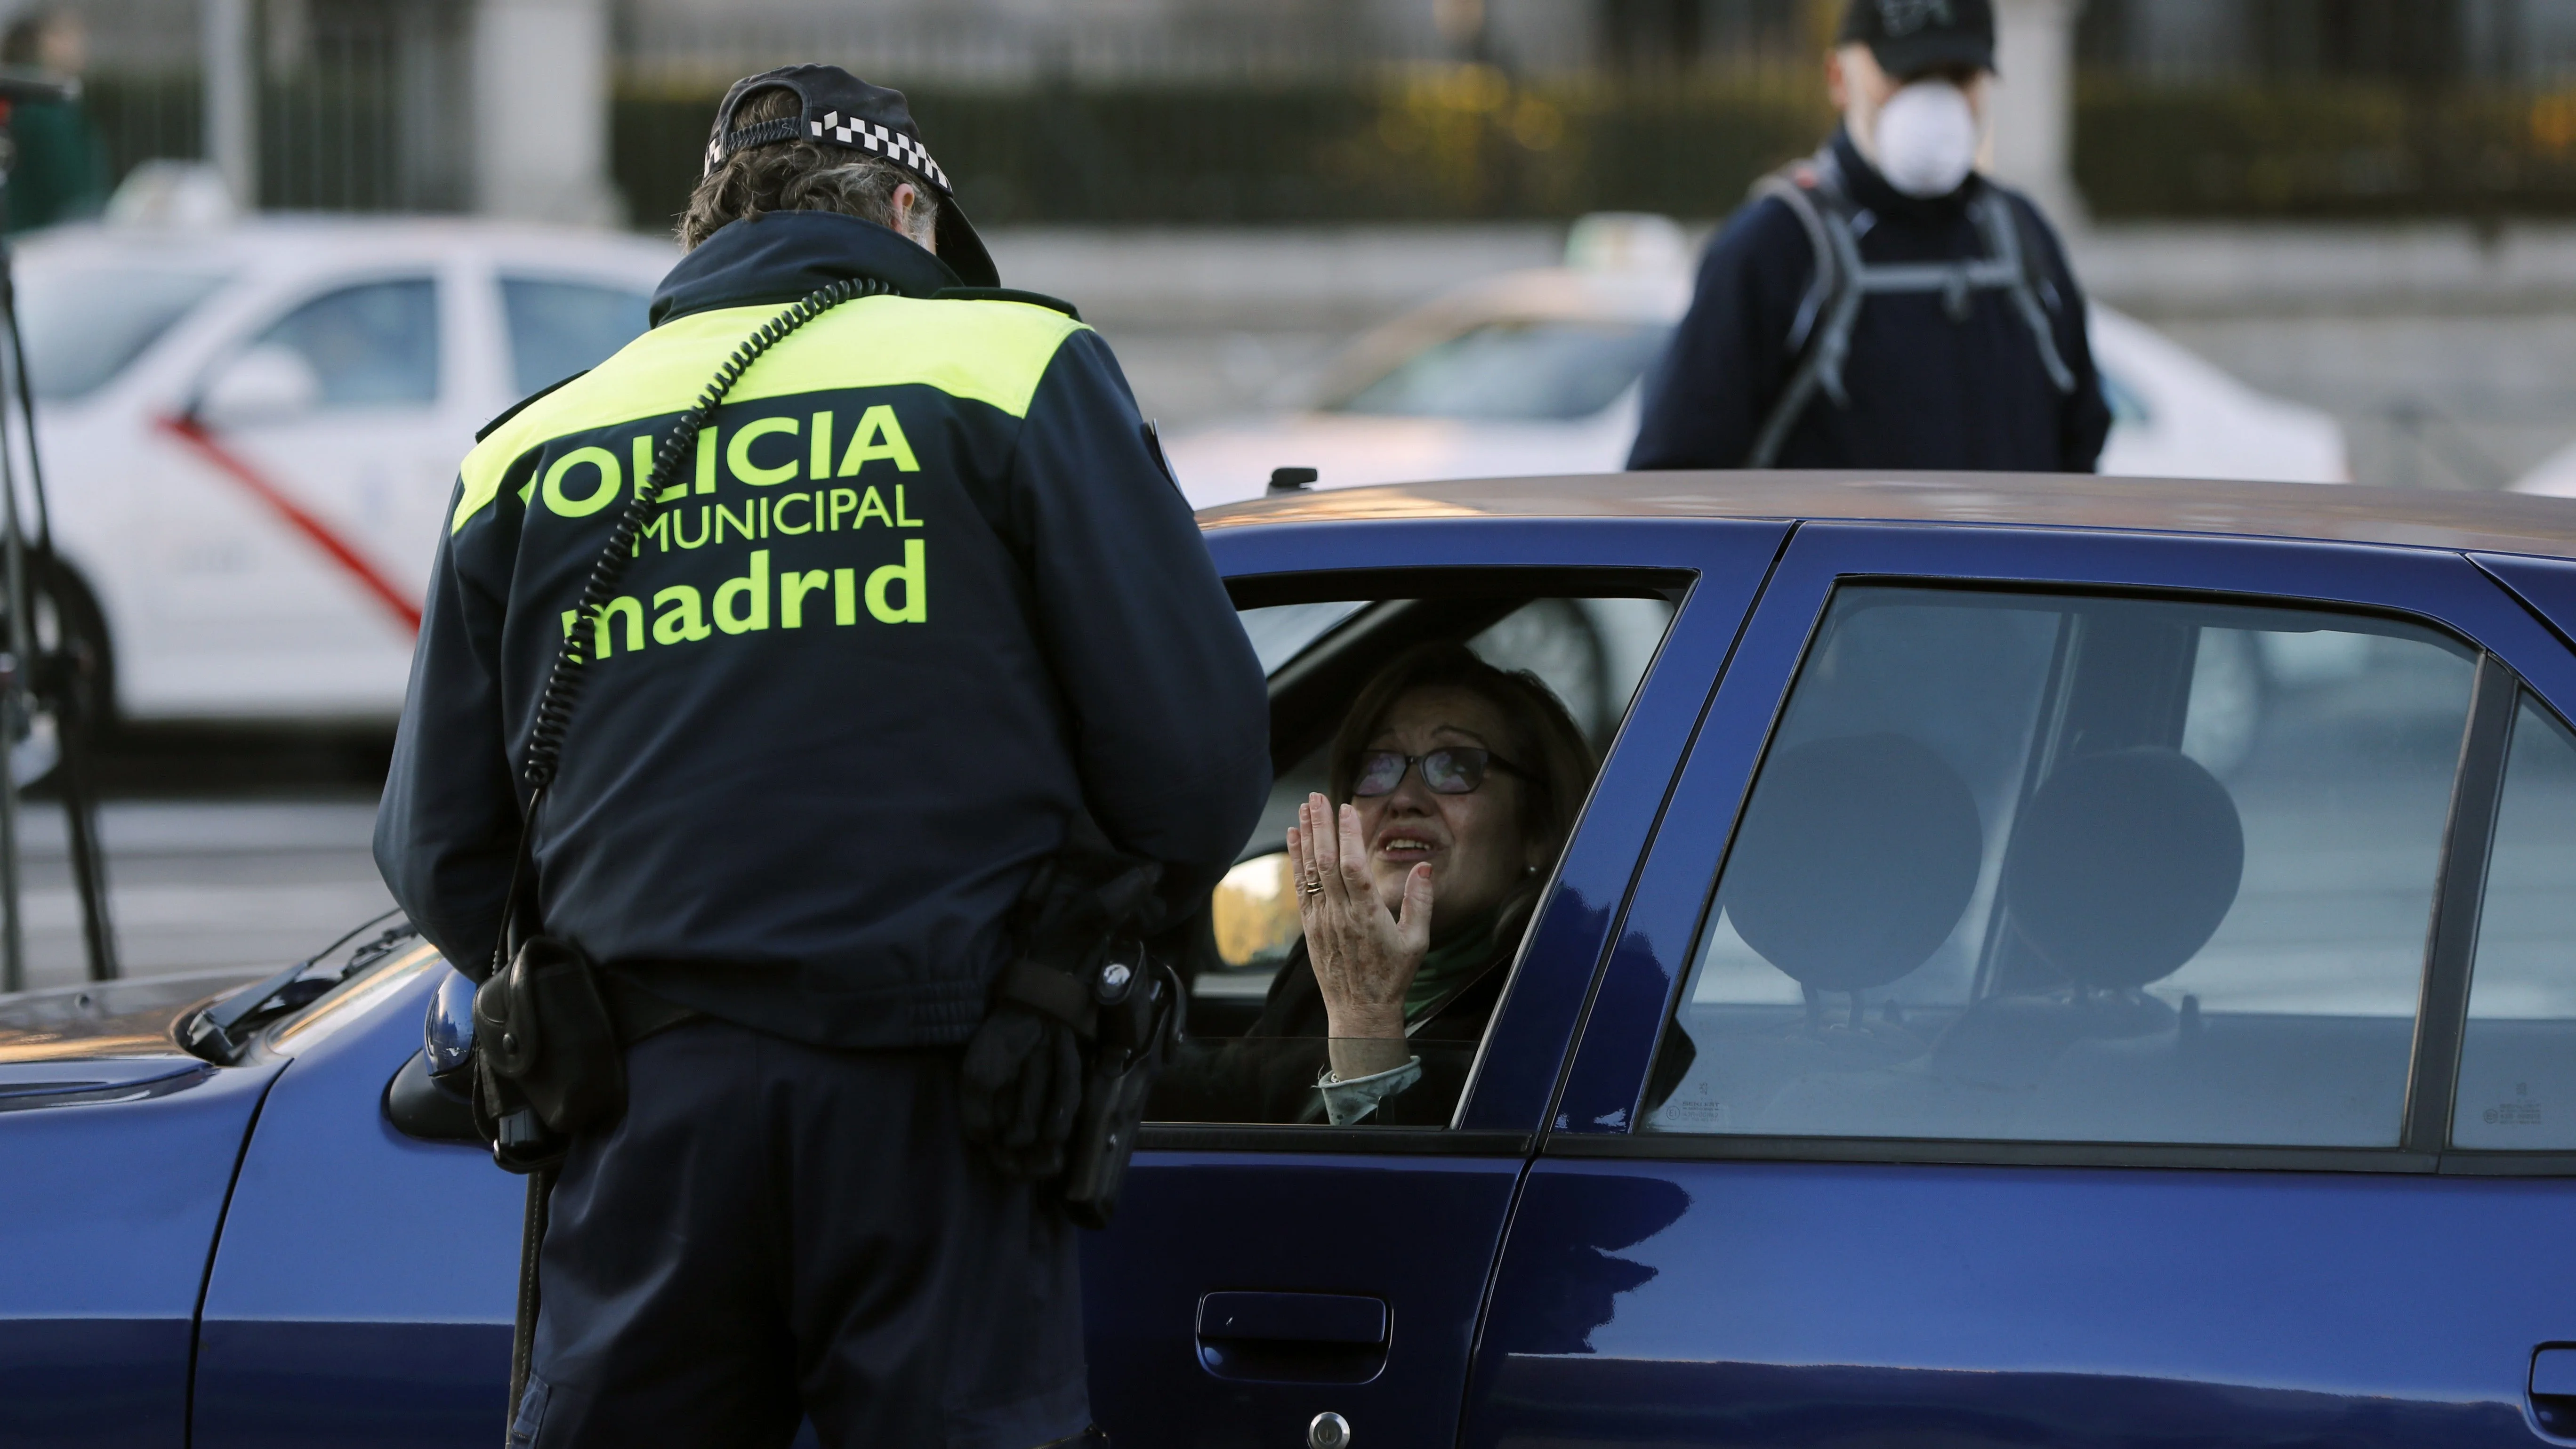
1909,37
839,109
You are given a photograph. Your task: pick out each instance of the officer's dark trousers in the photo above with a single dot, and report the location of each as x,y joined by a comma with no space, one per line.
776,1231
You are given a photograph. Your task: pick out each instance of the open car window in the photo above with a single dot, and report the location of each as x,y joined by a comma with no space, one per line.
1257,1042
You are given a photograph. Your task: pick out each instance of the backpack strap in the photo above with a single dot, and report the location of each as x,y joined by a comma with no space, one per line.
1821,334
2000,220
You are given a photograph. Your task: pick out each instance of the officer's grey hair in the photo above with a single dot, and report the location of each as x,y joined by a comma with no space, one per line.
800,176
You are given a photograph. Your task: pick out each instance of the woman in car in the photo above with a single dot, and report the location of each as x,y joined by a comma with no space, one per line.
1453,787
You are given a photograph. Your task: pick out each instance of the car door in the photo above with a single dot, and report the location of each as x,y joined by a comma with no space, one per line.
363,1288
1261,1273
117,1169
2074,935
290,561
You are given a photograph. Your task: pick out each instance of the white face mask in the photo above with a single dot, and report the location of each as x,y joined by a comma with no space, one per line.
1926,138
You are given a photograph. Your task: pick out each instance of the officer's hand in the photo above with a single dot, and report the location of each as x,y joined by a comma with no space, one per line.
1023,1080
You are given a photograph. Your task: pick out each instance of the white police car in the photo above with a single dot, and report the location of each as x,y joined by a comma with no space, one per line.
251,428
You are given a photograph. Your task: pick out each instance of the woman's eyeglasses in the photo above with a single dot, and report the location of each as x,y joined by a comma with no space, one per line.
1446,771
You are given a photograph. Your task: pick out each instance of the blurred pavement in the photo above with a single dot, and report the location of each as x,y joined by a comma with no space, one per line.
200,884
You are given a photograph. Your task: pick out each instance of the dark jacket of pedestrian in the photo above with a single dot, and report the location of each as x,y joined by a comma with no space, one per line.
1926,389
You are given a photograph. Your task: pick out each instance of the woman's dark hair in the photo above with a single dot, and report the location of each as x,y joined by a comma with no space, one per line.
798,176
1545,744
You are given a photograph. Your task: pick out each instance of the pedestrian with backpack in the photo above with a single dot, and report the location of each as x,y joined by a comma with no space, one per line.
1881,304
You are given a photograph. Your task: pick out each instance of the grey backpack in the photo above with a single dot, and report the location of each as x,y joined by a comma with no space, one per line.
1820,336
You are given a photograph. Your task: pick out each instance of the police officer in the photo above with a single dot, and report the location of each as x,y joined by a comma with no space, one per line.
1881,304
924,597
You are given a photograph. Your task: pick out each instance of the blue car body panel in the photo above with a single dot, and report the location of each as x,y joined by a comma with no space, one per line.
1813,1304
1836,1303
108,1212
2548,585
364,1289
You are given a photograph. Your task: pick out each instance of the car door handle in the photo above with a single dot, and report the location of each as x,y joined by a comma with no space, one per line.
2553,1388
1322,1338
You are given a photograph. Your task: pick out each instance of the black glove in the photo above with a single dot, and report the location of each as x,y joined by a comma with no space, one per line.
1022,1083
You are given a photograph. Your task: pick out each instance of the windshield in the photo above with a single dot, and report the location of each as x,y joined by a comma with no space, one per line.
1520,369
83,327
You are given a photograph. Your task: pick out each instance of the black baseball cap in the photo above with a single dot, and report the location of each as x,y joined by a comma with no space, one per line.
842,110
1909,37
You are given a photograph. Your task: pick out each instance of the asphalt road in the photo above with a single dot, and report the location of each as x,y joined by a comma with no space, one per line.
206,883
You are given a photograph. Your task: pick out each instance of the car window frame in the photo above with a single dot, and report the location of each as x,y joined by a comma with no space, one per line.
504,272
2517,1162
1722,563
244,330
2434,588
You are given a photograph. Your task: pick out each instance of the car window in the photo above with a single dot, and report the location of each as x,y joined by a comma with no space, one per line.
1251,1057
1532,370
2518,1056
561,328
2074,869
372,345
83,327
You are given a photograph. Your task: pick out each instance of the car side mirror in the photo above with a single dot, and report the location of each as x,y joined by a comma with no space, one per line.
267,383
431,1098
427,1110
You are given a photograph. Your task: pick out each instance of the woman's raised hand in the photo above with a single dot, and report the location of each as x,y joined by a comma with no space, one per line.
1364,955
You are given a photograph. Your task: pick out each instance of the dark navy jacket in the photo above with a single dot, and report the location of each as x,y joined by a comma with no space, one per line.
1926,391
924,593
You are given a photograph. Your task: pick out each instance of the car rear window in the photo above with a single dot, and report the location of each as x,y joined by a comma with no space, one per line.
1529,370
83,327
2032,868
560,328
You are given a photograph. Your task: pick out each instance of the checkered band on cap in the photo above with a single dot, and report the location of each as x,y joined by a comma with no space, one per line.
869,136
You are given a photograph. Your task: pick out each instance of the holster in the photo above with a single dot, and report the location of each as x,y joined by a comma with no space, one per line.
548,1058
1139,1005
548,1062
1082,960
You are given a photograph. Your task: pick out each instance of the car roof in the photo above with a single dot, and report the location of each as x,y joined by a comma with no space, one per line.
2349,513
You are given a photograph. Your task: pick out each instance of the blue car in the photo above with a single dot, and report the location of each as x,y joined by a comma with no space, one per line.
2043,961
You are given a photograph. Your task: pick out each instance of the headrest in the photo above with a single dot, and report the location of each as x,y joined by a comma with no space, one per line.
1854,861
2123,865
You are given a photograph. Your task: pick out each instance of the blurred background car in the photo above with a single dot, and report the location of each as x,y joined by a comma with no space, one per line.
251,428
1539,372
2553,477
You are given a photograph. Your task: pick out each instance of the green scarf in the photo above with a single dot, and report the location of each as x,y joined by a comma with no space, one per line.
1446,968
